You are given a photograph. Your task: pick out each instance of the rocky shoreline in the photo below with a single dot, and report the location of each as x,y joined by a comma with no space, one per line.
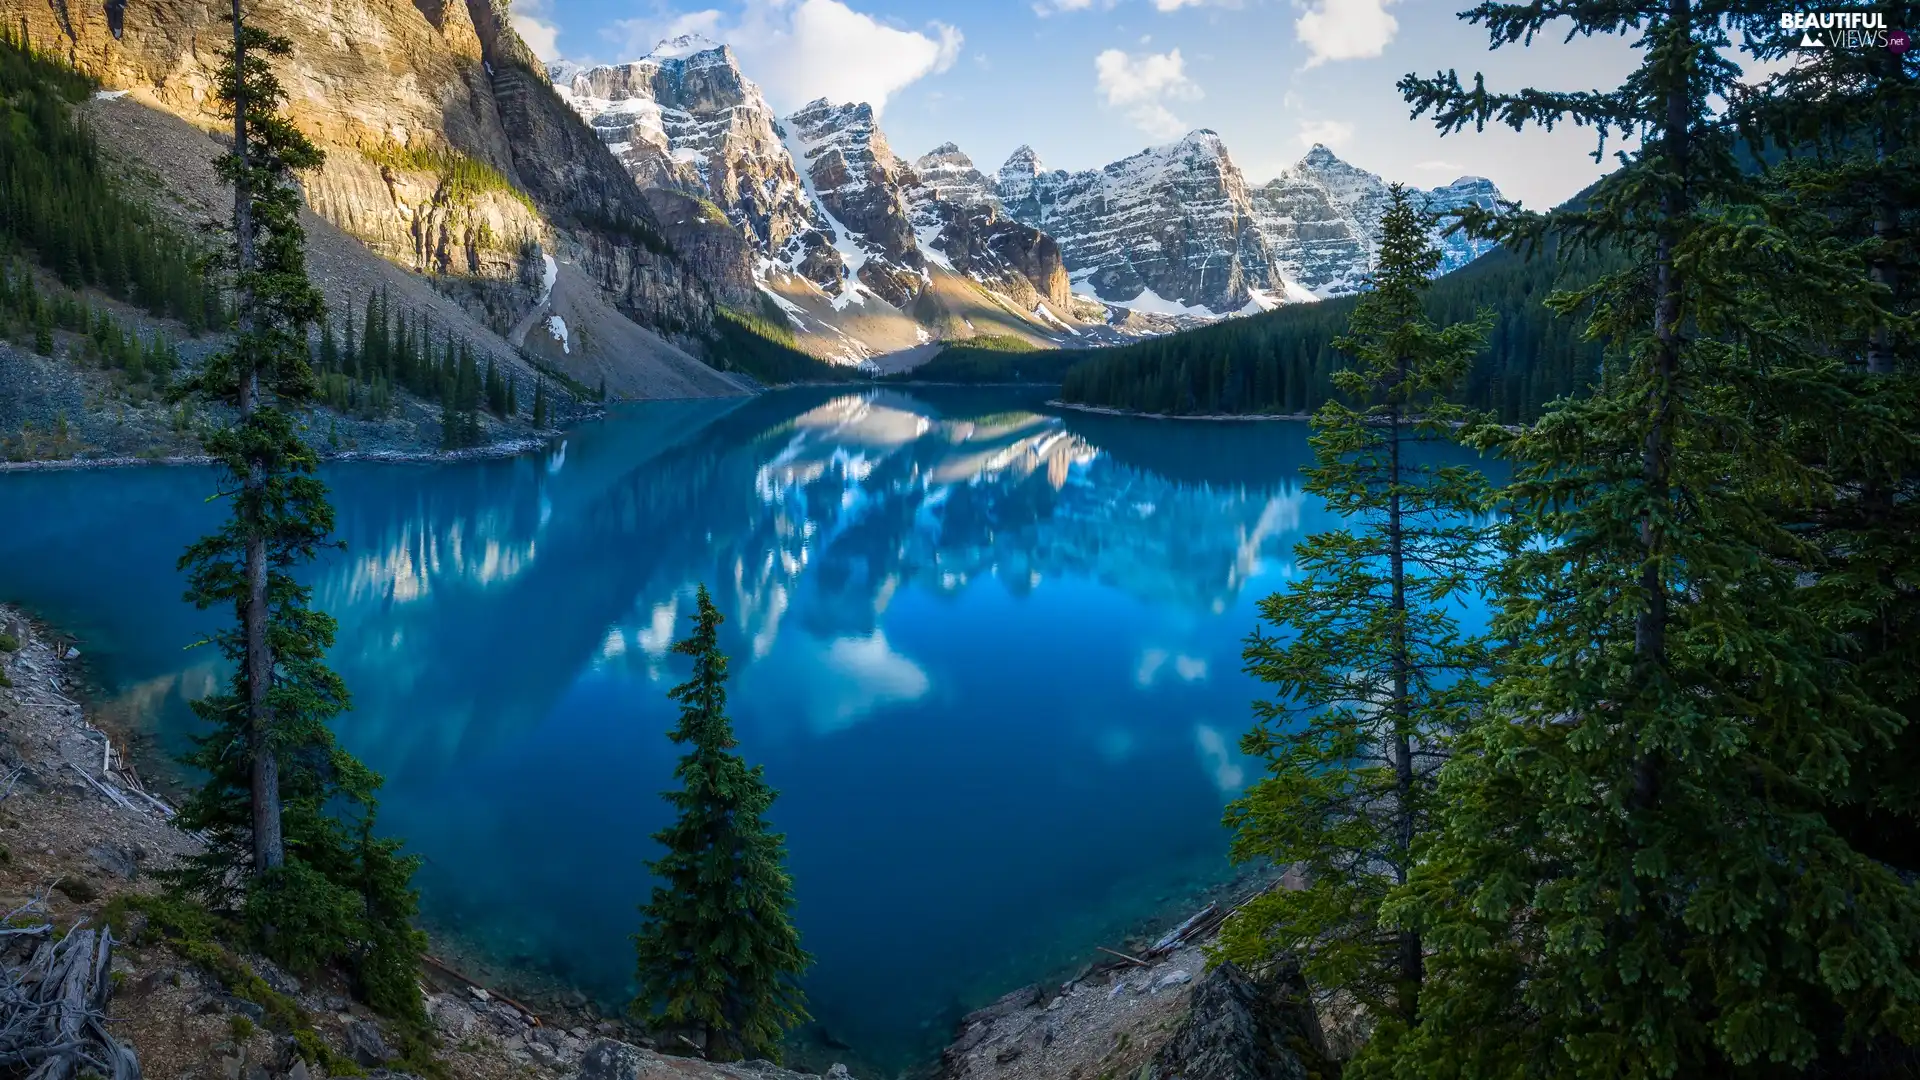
503,449
78,830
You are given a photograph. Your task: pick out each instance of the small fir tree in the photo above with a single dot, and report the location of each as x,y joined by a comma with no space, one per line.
718,953
1377,676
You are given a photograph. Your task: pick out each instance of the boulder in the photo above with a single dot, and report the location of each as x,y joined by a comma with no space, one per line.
365,1045
610,1059
1239,1029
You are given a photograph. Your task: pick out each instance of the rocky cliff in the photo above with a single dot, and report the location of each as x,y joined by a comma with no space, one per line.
854,247
684,118
1177,229
448,152
1170,229
1322,219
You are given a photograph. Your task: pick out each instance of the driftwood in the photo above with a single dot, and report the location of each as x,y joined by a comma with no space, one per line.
53,999
1129,959
532,1017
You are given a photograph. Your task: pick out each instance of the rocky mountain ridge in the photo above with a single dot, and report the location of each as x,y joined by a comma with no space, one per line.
1174,233
447,153
842,238
1178,229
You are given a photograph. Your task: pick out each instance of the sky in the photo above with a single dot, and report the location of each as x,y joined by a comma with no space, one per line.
1086,82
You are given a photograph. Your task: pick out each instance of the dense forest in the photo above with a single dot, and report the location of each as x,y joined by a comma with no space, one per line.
993,358
1283,361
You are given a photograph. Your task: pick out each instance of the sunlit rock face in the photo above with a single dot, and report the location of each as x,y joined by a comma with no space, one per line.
685,117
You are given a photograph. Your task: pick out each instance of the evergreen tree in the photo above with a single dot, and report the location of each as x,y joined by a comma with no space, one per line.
541,409
1632,877
1377,677
1844,127
718,954
279,854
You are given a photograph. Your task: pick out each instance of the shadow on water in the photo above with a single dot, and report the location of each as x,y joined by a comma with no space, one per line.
989,652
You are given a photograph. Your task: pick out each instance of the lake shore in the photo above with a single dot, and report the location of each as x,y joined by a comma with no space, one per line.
1101,410
504,449
80,828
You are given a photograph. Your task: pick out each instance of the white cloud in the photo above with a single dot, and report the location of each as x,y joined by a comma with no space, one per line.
1218,759
1043,8
1333,133
1176,5
541,35
1143,84
1437,167
1345,29
809,49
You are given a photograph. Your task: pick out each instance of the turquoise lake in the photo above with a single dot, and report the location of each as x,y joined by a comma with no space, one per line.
988,651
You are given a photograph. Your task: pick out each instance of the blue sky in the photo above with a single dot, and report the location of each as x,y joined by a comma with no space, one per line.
1085,82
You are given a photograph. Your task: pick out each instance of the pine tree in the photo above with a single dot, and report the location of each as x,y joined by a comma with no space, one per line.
540,407
718,954
1632,877
279,852
1377,676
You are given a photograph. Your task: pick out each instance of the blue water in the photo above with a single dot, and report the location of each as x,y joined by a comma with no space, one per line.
987,651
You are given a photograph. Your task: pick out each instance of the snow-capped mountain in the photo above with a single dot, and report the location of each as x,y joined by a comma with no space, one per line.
684,118
1177,228
858,252
1170,229
1322,219
819,222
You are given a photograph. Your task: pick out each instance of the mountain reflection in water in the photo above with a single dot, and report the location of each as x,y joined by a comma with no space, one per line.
987,650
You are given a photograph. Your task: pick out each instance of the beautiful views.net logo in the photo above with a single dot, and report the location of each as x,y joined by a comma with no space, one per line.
1844,30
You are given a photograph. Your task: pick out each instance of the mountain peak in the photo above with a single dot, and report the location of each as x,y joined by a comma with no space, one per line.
1321,156
944,149
679,48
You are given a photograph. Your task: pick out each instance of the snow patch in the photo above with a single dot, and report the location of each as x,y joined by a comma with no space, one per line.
548,275
1152,303
110,95
1044,312
557,326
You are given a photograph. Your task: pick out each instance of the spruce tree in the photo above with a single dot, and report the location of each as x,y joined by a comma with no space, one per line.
1376,677
1843,125
718,953
281,851
1632,877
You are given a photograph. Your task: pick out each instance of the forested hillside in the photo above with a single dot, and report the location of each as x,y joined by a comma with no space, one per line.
1283,361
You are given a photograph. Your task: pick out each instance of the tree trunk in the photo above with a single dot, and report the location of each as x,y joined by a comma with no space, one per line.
268,849
1650,626
1410,954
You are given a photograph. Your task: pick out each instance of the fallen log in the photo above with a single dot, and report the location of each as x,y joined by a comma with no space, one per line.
532,1017
1123,956
53,999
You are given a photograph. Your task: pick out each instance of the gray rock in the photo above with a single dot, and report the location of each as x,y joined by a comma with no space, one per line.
256,1013
1238,1029
837,1071
270,973
114,859
608,1059
1172,979
299,1070
365,1045
451,1017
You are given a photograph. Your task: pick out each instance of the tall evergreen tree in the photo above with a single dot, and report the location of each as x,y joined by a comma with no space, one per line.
279,852
1632,878
718,953
1377,676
